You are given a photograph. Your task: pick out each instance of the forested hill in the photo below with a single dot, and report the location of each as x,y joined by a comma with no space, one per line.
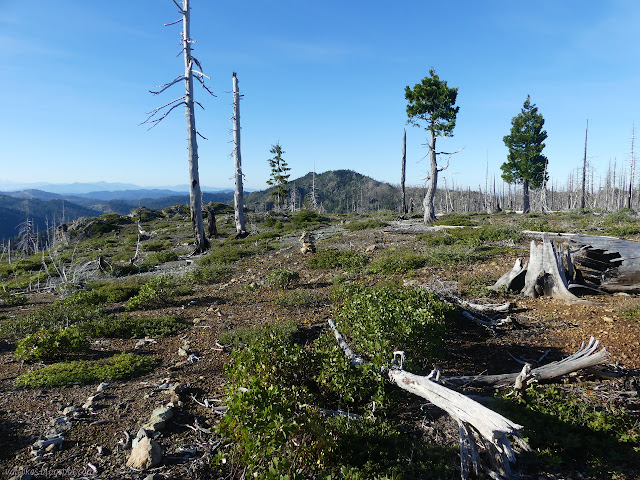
43,213
337,191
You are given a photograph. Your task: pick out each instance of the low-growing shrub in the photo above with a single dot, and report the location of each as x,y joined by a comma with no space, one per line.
365,224
572,428
115,291
301,298
117,367
283,278
209,274
397,261
327,259
47,345
77,308
156,292
158,258
8,299
284,367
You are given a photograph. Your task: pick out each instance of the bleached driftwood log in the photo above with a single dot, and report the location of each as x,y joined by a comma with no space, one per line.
474,420
587,356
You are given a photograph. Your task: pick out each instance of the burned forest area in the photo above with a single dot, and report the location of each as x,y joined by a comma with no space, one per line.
324,346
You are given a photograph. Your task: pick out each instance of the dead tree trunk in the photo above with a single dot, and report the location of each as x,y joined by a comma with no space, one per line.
195,194
583,202
403,174
238,196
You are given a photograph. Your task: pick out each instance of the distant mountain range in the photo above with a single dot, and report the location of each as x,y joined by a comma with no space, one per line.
336,191
88,188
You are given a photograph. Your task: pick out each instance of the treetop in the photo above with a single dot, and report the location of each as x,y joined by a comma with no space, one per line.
433,102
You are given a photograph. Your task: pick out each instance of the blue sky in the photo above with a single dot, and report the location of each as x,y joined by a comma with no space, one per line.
325,79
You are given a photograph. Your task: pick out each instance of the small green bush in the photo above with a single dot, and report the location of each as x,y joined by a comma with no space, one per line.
283,278
327,259
156,245
365,224
572,428
115,291
8,299
133,327
156,292
301,298
47,345
397,261
307,219
282,367
117,367
209,274
158,258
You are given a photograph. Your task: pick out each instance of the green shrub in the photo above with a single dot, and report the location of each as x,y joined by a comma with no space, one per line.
365,224
327,259
117,367
158,258
397,261
47,345
283,367
574,429
156,245
283,278
77,308
307,219
133,327
209,274
115,292
301,298
459,219
156,292
8,299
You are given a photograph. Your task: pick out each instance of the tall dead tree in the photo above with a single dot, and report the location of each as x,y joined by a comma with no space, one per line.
404,171
583,202
188,101
238,196
631,170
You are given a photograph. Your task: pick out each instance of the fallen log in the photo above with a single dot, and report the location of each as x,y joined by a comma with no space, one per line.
610,263
586,356
476,423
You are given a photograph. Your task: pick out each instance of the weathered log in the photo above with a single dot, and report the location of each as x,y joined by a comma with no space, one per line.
612,264
585,357
473,418
355,359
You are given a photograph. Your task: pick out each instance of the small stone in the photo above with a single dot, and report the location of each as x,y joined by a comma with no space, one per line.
102,387
146,454
70,410
50,448
607,319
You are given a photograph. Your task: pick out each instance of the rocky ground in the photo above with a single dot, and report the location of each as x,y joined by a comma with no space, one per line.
98,431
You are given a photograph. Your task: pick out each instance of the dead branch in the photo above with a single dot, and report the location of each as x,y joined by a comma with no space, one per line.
474,420
585,357
355,359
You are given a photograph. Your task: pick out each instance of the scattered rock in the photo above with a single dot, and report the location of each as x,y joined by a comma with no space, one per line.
102,387
185,349
146,454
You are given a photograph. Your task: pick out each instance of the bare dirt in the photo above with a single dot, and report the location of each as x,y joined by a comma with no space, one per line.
545,326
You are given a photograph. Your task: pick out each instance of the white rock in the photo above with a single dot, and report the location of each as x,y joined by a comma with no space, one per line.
146,454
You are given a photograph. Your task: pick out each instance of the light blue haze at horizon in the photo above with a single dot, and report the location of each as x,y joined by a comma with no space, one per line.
325,79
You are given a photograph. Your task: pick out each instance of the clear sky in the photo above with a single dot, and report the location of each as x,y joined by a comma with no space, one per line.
325,79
